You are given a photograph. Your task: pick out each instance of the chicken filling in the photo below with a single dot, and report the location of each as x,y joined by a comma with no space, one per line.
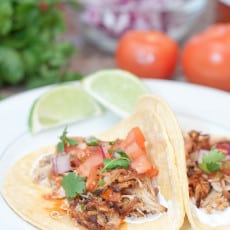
101,183
208,171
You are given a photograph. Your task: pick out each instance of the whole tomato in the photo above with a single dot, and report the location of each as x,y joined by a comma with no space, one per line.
148,54
206,57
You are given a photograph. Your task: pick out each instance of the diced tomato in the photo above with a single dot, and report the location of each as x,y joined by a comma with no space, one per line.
95,159
75,163
134,147
92,180
134,136
76,152
133,150
142,165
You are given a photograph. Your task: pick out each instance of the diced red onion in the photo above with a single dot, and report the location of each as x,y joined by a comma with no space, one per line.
197,155
102,152
61,163
223,146
115,17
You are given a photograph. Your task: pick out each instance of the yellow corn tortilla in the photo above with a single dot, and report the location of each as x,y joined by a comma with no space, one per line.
161,130
192,218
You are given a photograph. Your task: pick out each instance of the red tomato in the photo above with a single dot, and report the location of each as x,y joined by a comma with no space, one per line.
148,54
92,179
135,136
134,146
133,150
143,165
94,160
206,57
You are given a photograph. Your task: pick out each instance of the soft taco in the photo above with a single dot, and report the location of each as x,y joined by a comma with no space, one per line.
124,178
206,183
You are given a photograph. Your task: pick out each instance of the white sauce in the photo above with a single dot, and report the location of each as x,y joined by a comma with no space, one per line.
217,218
150,217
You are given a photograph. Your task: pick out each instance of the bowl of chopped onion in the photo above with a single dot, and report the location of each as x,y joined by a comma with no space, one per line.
105,21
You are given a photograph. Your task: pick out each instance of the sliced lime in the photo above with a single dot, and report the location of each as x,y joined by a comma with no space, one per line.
62,105
117,90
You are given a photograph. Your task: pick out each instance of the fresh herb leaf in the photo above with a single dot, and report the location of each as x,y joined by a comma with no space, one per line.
73,185
121,162
212,161
60,147
71,142
213,166
121,153
92,141
65,140
112,142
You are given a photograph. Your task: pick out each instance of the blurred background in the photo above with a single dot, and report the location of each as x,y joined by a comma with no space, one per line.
50,41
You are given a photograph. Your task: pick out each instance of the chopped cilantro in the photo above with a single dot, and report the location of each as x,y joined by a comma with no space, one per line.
65,140
212,161
121,153
92,141
73,185
120,162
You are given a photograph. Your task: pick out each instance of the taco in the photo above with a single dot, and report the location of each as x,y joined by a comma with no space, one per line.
207,181
124,178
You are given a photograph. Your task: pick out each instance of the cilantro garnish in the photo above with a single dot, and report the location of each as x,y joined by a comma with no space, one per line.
121,162
73,185
212,161
92,141
65,140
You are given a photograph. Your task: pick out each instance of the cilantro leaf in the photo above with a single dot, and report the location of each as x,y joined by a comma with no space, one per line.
73,185
212,161
121,162
60,147
92,141
121,153
65,140
213,166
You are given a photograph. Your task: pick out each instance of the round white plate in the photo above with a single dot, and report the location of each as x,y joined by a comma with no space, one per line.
196,107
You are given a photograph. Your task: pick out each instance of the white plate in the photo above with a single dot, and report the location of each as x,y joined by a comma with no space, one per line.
196,107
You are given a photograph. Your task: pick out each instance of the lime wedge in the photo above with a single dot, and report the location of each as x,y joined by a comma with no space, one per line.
62,105
117,90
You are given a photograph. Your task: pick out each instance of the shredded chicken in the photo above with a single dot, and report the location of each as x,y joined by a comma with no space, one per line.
199,187
125,193
41,169
214,201
196,141
209,191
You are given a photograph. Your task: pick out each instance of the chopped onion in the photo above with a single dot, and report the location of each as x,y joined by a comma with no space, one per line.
197,155
223,146
102,151
61,163
115,17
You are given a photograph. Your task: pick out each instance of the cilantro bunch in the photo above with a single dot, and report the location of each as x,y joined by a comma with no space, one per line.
30,52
